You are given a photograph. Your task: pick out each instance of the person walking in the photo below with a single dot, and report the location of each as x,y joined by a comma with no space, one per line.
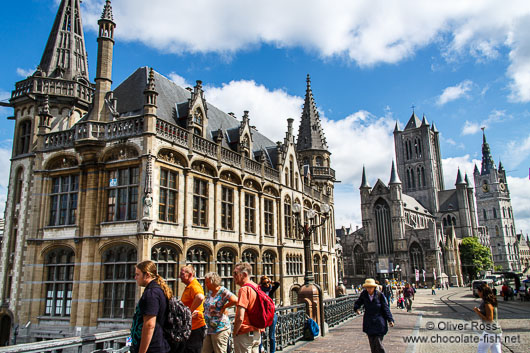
246,337
193,297
217,301
387,291
490,339
269,289
151,311
377,315
408,294
433,289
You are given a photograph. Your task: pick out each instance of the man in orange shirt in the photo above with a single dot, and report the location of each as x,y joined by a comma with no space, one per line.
193,297
246,337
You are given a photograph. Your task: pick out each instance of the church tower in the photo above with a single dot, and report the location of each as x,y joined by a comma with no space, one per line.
311,146
419,161
494,209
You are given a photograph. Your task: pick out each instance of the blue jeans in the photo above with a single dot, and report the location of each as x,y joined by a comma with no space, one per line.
272,336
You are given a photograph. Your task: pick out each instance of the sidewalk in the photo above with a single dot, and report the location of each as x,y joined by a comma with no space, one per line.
349,336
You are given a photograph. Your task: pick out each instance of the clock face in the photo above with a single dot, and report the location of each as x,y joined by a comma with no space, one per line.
485,187
502,187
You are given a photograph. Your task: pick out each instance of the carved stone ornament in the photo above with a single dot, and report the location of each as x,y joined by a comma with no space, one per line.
202,168
251,184
62,162
226,176
121,153
270,191
169,157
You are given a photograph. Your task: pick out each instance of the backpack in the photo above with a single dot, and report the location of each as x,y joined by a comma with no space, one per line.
177,328
311,330
261,315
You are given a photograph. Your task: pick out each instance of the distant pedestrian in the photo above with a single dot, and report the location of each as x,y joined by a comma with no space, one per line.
193,297
151,312
377,315
408,294
433,290
490,339
387,291
270,288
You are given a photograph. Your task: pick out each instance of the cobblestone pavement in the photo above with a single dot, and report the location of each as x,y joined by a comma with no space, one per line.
444,321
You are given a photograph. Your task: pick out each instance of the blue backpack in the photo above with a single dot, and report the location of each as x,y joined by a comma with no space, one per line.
311,330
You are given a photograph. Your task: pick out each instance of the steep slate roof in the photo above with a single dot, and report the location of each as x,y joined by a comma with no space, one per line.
67,24
410,203
448,200
310,133
172,106
414,122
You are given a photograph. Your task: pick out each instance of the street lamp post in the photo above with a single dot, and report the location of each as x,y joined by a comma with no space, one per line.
307,230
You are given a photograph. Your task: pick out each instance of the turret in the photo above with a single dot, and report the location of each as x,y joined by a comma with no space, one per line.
104,61
150,97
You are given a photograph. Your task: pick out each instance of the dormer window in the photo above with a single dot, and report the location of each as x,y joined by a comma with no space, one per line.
198,118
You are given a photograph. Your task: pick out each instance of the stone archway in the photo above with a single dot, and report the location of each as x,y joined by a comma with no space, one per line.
5,330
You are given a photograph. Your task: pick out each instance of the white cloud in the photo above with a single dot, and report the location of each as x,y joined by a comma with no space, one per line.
516,152
179,80
264,105
520,194
25,72
495,117
366,32
455,92
450,169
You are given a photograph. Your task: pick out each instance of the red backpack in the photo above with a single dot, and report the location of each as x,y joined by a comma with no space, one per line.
261,315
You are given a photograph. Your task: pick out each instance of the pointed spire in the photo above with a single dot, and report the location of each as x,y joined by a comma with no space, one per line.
501,167
364,182
107,12
487,160
468,182
394,178
424,120
414,122
396,128
65,53
310,133
476,171
433,127
459,179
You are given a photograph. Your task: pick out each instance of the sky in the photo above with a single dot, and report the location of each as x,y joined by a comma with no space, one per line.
462,64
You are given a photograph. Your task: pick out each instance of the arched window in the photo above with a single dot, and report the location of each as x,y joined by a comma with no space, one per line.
19,185
385,244
444,222
423,177
268,264
319,161
358,258
316,268
59,282
494,212
503,212
252,258
24,137
293,295
166,259
412,179
419,177
325,283
485,214
288,218
417,147
299,265
198,257
416,257
454,221
119,286
409,182
225,265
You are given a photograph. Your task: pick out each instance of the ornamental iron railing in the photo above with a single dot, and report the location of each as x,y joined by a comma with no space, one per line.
337,310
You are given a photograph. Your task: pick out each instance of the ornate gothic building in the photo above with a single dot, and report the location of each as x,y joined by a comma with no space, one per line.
495,211
413,224
104,178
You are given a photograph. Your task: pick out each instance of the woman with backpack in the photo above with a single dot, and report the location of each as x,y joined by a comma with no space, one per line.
377,315
215,304
151,311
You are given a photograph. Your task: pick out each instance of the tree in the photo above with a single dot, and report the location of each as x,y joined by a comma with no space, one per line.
474,257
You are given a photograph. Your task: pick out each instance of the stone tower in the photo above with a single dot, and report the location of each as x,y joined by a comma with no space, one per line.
419,161
311,146
104,62
494,210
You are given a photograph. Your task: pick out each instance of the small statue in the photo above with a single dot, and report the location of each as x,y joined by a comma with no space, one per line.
148,203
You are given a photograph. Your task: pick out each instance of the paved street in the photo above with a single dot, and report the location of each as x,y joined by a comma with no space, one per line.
444,311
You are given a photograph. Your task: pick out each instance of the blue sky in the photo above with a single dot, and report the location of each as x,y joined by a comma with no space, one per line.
464,64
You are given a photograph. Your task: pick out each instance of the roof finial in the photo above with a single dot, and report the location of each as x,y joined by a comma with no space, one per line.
394,178
364,182
413,106
107,11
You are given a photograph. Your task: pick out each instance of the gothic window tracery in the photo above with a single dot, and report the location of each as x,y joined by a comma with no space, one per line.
166,258
198,257
358,256
252,258
59,282
416,257
119,286
225,264
385,244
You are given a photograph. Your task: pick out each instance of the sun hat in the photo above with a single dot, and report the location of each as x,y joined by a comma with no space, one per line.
369,282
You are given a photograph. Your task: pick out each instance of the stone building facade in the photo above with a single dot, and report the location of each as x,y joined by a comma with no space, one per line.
495,211
412,226
102,179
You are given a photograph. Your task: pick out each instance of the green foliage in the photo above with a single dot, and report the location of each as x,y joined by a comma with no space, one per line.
474,257
498,268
